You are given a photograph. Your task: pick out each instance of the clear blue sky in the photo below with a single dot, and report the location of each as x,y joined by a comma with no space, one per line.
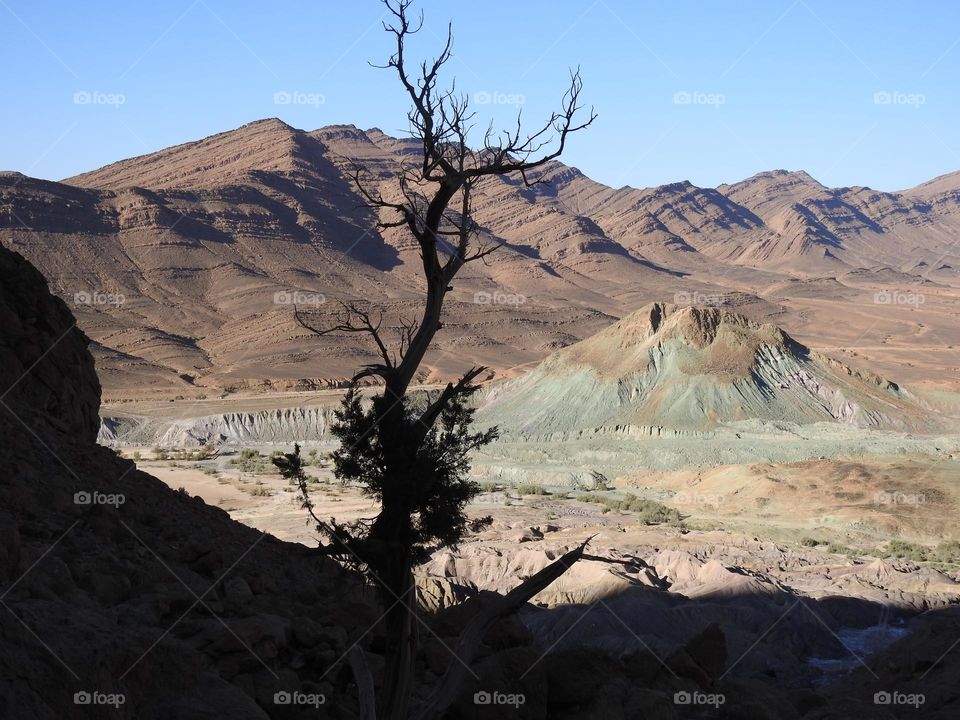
775,84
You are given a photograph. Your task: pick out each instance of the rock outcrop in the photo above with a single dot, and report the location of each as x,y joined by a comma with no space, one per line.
120,597
45,368
694,368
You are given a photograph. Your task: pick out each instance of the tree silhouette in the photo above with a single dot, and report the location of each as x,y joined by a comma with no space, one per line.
414,458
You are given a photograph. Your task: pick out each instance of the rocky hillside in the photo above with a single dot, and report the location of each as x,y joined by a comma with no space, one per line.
123,598
182,265
691,369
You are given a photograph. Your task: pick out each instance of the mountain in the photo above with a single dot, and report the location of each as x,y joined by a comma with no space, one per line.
690,368
181,265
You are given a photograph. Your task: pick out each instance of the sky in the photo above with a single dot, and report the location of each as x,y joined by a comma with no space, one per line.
853,92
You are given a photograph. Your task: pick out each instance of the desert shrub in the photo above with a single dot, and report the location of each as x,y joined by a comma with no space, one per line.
136,455
907,550
838,549
160,453
948,551
650,511
261,491
249,460
488,487
531,489
599,481
810,542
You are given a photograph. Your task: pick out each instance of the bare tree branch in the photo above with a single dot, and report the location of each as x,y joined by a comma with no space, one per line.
449,686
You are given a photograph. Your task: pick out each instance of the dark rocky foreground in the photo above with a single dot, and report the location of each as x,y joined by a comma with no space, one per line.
121,598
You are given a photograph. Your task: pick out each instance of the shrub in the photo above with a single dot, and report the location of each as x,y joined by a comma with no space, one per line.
948,551
908,550
531,489
650,511
810,542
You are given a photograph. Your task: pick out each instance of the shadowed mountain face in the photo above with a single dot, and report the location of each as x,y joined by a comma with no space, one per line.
183,265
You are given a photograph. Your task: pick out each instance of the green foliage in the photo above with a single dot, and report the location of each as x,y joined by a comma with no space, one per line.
650,511
250,461
531,489
908,550
948,551
838,549
419,473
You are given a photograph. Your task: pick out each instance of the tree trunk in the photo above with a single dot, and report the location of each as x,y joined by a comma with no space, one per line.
401,639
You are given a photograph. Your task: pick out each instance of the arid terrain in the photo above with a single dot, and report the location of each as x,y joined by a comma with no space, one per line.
184,265
745,398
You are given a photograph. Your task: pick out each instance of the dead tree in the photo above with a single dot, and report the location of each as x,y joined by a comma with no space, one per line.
415,462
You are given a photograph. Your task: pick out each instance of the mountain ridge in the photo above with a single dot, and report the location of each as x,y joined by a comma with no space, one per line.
200,238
